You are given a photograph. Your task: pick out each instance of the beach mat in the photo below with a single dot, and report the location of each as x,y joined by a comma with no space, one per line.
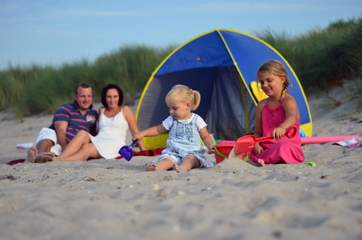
148,153
15,161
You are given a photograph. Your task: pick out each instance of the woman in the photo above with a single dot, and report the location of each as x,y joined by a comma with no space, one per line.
114,122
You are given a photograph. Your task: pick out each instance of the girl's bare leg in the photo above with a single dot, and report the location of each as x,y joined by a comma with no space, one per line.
260,162
188,163
164,164
76,144
85,152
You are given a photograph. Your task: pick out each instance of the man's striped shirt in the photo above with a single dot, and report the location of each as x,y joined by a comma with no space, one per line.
76,121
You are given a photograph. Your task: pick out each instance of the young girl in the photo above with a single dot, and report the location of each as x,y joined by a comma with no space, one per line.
184,149
277,116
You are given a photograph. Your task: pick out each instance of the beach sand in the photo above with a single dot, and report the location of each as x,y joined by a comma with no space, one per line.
116,199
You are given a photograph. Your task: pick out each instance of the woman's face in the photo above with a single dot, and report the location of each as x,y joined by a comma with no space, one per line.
112,98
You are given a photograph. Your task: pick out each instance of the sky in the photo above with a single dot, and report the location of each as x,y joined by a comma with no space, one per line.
54,32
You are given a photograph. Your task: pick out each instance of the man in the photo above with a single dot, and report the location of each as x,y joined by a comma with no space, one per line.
68,120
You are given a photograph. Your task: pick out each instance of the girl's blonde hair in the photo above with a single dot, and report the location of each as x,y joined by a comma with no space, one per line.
184,94
275,67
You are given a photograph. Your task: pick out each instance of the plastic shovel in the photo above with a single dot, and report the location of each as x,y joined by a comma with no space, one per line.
328,139
245,144
126,151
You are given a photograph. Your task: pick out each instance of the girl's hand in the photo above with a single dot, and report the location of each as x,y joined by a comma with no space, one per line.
278,132
257,148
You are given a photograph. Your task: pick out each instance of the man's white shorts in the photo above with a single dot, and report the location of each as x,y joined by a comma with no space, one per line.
49,134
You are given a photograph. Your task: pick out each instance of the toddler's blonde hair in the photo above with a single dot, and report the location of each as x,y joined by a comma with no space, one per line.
276,68
184,94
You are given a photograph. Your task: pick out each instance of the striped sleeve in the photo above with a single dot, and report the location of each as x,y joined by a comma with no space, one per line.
62,114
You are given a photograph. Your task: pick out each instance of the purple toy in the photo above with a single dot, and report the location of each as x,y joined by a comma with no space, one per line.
126,151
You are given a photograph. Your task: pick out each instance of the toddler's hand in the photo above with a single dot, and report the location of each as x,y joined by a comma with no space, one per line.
138,136
211,150
257,148
278,132
140,145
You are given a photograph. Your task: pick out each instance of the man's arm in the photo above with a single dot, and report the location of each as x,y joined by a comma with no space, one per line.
61,130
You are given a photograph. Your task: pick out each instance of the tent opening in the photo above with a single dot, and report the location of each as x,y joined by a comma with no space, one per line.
224,104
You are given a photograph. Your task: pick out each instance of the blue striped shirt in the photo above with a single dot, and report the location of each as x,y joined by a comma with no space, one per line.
76,121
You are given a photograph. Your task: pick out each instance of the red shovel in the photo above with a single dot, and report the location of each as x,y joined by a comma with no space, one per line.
245,144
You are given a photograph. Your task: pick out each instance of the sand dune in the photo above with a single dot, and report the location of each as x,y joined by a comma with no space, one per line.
115,199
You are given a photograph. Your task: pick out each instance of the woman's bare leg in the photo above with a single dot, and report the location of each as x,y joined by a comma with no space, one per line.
189,163
76,144
84,153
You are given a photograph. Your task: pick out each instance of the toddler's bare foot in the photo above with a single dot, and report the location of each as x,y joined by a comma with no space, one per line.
32,153
177,168
151,167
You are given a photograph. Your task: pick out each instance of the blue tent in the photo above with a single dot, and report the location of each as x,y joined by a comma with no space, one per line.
221,65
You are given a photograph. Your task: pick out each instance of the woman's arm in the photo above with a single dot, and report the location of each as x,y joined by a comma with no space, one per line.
132,124
131,120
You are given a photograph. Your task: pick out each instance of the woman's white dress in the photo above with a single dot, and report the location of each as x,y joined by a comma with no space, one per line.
111,136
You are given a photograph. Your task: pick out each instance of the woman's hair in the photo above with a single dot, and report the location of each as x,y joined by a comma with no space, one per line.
104,93
184,94
275,67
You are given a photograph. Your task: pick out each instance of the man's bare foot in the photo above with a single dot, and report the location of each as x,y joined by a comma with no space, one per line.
44,157
32,153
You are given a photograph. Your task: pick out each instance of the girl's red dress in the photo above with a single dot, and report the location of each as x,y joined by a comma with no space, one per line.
287,149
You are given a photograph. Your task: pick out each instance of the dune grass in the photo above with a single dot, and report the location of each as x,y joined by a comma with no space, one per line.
35,89
321,58
325,57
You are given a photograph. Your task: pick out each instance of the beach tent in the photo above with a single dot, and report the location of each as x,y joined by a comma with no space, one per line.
221,65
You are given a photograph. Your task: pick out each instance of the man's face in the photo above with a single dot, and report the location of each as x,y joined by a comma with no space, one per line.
84,98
